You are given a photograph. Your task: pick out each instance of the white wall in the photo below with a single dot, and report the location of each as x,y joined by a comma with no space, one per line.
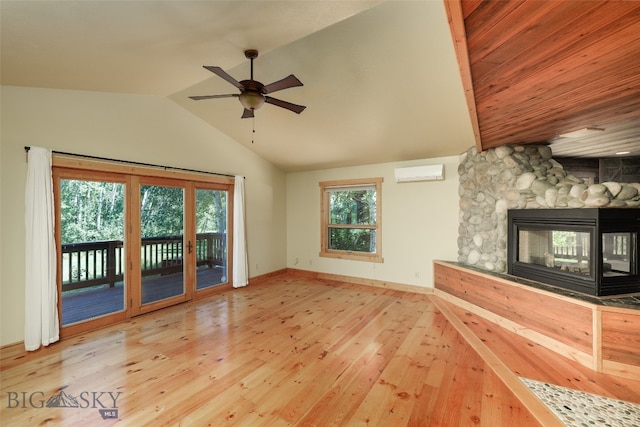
420,219
138,128
419,223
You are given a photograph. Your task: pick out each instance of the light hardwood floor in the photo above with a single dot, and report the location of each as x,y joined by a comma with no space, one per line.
294,351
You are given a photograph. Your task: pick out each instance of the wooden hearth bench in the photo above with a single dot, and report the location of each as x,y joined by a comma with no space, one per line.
602,333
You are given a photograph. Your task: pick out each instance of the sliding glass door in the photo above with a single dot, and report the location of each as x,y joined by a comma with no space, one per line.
162,253
91,259
211,237
132,243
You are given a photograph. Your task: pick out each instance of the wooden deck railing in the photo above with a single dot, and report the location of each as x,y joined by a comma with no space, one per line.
615,244
87,264
570,252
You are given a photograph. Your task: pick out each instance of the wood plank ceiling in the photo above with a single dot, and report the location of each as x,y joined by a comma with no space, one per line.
534,70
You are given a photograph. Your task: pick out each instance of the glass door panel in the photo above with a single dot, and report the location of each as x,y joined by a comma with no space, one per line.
211,238
92,239
161,242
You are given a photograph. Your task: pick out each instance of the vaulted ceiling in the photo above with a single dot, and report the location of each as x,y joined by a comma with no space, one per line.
383,80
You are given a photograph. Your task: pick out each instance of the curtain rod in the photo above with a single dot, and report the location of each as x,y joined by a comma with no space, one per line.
27,148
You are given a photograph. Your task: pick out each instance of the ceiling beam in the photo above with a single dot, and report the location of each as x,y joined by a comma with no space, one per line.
458,34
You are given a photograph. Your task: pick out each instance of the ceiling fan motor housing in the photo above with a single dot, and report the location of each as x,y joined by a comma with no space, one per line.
252,96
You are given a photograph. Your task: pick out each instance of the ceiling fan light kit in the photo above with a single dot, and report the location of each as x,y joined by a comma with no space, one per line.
251,100
253,94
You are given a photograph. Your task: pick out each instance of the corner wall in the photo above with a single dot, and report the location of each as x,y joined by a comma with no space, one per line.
419,223
146,129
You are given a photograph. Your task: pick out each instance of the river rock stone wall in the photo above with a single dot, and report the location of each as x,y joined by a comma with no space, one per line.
519,177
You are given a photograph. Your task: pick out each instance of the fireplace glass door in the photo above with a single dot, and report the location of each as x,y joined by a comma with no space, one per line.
617,251
562,250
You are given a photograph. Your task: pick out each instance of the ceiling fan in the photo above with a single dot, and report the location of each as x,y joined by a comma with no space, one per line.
254,94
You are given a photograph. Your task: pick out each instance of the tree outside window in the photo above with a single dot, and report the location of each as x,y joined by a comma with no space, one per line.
351,219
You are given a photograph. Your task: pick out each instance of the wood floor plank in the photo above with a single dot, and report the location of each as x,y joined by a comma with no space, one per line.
358,338
347,393
290,351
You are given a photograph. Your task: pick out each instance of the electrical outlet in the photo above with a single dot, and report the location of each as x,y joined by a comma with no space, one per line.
417,275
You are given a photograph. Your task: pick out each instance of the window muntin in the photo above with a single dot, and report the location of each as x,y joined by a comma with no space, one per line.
351,219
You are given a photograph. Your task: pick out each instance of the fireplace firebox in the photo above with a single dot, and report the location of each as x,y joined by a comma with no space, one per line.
589,250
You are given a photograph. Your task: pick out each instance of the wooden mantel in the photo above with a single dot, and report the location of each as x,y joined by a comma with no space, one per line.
603,337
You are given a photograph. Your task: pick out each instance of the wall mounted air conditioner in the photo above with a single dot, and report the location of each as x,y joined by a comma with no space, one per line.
420,173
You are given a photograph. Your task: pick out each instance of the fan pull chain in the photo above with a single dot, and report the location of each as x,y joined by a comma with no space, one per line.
253,124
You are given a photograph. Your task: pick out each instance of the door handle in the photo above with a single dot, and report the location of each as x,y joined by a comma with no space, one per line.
190,246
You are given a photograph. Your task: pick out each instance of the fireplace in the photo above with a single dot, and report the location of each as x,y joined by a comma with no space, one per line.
589,250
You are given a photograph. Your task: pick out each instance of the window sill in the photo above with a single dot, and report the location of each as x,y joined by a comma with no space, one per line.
354,256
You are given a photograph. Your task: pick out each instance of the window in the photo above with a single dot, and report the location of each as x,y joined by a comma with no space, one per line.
351,217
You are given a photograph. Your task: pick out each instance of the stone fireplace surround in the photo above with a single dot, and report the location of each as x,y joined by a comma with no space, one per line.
596,332
519,177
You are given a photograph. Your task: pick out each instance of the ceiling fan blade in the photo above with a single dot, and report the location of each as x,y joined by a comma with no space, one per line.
247,113
287,82
284,104
221,73
199,97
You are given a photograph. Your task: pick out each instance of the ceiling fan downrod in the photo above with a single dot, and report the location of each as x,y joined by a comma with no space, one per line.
251,54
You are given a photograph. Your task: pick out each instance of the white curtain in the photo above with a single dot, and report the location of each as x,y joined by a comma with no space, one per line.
240,261
41,325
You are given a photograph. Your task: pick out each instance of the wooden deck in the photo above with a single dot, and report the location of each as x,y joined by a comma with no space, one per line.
295,351
98,301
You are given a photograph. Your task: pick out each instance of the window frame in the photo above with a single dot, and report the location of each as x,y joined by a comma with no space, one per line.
325,188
